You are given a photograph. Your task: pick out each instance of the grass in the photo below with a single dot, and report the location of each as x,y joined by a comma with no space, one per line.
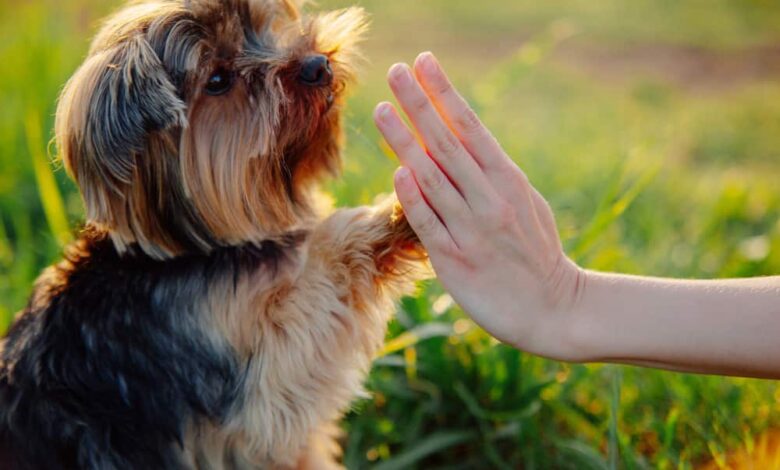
646,175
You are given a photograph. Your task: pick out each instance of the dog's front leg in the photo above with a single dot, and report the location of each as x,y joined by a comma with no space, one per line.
371,250
360,261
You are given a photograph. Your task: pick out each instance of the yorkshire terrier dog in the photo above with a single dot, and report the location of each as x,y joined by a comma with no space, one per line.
209,315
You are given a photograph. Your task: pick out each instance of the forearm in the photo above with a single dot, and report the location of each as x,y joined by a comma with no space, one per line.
727,327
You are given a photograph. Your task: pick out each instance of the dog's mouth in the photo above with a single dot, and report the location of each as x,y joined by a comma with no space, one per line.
309,121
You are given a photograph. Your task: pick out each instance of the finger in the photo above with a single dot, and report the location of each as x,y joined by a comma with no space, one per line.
445,200
506,178
423,220
442,144
459,115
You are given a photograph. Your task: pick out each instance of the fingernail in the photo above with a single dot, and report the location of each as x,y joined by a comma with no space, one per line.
428,62
402,175
400,74
384,112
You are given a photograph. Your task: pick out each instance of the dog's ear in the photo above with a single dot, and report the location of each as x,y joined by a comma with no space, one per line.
106,114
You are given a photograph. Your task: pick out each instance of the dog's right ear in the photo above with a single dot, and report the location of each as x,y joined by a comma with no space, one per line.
106,113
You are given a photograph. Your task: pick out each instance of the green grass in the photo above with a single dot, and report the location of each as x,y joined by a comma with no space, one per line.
646,176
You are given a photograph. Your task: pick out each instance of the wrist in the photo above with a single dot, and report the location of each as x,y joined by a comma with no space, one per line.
576,327
568,287
591,332
557,332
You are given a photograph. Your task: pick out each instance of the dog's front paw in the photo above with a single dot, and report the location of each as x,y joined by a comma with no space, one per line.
400,244
399,225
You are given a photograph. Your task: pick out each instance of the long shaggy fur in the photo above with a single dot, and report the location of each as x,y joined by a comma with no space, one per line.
208,316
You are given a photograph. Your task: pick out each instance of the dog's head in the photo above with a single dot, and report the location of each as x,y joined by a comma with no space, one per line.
199,123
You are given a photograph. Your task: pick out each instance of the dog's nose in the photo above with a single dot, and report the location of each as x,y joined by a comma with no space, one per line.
316,71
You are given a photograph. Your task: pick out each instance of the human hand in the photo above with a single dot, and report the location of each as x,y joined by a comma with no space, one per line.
492,240
491,236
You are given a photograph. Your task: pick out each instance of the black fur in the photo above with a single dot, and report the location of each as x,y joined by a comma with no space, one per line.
110,362
133,97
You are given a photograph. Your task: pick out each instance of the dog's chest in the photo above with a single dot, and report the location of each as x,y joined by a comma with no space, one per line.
307,350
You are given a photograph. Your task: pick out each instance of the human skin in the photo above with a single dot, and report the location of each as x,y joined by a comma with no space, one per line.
494,244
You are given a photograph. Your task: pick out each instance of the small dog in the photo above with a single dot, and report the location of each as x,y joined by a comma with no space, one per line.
209,315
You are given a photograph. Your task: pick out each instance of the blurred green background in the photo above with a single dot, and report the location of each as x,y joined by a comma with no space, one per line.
652,126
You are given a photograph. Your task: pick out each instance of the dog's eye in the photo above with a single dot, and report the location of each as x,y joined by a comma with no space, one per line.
219,82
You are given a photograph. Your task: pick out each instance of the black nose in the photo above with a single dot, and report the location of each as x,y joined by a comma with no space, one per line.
315,71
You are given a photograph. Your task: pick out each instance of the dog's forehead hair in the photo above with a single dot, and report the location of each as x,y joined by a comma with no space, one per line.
228,20
255,13
234,24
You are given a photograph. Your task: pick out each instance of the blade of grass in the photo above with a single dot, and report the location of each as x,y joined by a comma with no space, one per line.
608,215
670,429
51,198
414,336
614,407
428,446
526,408
6,255
490,450
580,454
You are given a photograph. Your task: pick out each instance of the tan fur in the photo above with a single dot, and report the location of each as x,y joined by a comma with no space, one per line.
312,330
167,169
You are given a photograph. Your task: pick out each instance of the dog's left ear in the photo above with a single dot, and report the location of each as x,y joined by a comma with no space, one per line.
106,113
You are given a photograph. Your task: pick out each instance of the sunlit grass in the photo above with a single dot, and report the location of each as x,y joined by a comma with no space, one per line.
645,177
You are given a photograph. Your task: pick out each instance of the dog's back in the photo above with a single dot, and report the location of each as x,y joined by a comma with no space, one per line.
110,361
